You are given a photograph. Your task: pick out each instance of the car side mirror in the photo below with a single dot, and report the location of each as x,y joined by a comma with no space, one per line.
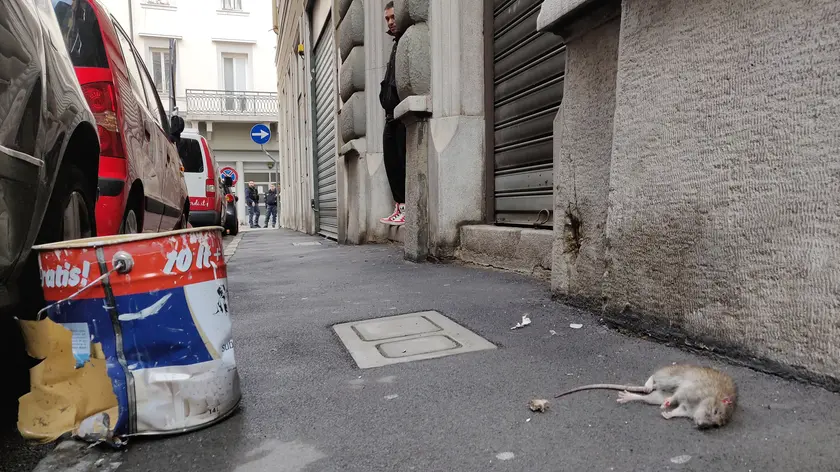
229,181
236,198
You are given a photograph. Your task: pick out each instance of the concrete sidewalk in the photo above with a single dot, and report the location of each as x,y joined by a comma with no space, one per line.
307,407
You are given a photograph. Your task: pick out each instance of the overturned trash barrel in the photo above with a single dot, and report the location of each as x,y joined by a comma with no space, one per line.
135,340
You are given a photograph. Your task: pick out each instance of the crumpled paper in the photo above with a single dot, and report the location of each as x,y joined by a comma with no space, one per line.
525,322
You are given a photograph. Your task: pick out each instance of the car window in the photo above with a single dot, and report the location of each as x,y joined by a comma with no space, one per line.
190,151
131,64
81,33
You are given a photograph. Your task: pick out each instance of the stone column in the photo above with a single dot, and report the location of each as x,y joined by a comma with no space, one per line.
440,64
414,112
457,165
414,87
583,145
351,119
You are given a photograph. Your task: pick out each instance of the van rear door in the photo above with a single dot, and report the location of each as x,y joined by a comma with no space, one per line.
195,173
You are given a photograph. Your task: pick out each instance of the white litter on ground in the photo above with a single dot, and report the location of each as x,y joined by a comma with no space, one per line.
681,459
576,326
525,322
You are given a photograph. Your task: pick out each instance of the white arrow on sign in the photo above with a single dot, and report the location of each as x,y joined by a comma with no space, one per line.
261,133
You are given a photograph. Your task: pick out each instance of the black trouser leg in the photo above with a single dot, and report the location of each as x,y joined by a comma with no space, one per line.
393,140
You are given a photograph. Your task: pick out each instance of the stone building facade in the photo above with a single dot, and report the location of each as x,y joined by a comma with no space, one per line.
666,164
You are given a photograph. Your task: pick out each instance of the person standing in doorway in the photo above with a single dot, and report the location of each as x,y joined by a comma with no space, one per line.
252,199
393,137
271,206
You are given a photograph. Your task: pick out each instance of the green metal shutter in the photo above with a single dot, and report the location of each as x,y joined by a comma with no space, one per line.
325,134
528,71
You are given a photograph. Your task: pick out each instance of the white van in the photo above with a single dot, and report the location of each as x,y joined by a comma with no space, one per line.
201,173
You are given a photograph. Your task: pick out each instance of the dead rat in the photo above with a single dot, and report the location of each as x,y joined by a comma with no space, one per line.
706,395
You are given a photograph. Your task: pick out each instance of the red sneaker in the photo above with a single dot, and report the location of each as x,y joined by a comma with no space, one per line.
398,218
389,219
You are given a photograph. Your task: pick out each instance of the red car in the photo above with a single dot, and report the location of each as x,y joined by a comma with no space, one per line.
141,185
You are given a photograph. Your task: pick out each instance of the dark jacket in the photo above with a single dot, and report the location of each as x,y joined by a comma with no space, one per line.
388,96
271,198
252,195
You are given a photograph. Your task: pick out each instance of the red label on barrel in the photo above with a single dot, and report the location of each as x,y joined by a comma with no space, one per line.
159,263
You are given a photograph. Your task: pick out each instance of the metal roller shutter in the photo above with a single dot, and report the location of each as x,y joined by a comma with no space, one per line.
325,134
528,71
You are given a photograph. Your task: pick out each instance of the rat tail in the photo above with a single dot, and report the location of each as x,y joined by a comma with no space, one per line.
629,388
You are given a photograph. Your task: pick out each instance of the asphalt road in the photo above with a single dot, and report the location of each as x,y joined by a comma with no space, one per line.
307,407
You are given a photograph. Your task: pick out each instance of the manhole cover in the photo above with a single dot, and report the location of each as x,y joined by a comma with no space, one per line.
406,338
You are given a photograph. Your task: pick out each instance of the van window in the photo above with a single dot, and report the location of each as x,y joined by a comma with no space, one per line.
81,34
190,151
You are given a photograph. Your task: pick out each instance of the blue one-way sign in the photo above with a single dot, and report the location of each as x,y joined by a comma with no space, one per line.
260,134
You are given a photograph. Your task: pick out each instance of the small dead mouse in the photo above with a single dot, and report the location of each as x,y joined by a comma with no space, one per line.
706,395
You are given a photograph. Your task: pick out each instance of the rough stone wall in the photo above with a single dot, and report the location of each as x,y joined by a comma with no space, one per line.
724,219
378,46
413,66
351,36
582,164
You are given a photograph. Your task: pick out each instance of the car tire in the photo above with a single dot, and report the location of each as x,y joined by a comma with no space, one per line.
182,223
130,223
233,228
70,213
69,200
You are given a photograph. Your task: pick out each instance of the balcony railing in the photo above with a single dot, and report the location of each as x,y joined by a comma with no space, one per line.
221,104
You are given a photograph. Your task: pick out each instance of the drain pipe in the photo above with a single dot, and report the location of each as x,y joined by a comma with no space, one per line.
130,20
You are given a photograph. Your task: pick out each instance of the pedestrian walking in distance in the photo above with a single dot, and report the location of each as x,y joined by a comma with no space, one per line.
252,200
393,137
271,206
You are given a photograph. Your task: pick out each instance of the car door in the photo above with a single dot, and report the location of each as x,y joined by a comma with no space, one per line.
21,138
170,194
145,149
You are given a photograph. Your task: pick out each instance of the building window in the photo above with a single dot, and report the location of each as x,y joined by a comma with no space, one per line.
161,71
232,5
234,71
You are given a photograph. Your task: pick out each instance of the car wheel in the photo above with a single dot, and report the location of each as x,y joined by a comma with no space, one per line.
76,217
130,224
70,211
69,215
233,228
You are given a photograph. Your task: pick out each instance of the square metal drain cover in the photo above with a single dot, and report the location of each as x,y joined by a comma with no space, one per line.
307,243
406,338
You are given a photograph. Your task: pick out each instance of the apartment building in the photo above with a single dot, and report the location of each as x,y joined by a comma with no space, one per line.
225,80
